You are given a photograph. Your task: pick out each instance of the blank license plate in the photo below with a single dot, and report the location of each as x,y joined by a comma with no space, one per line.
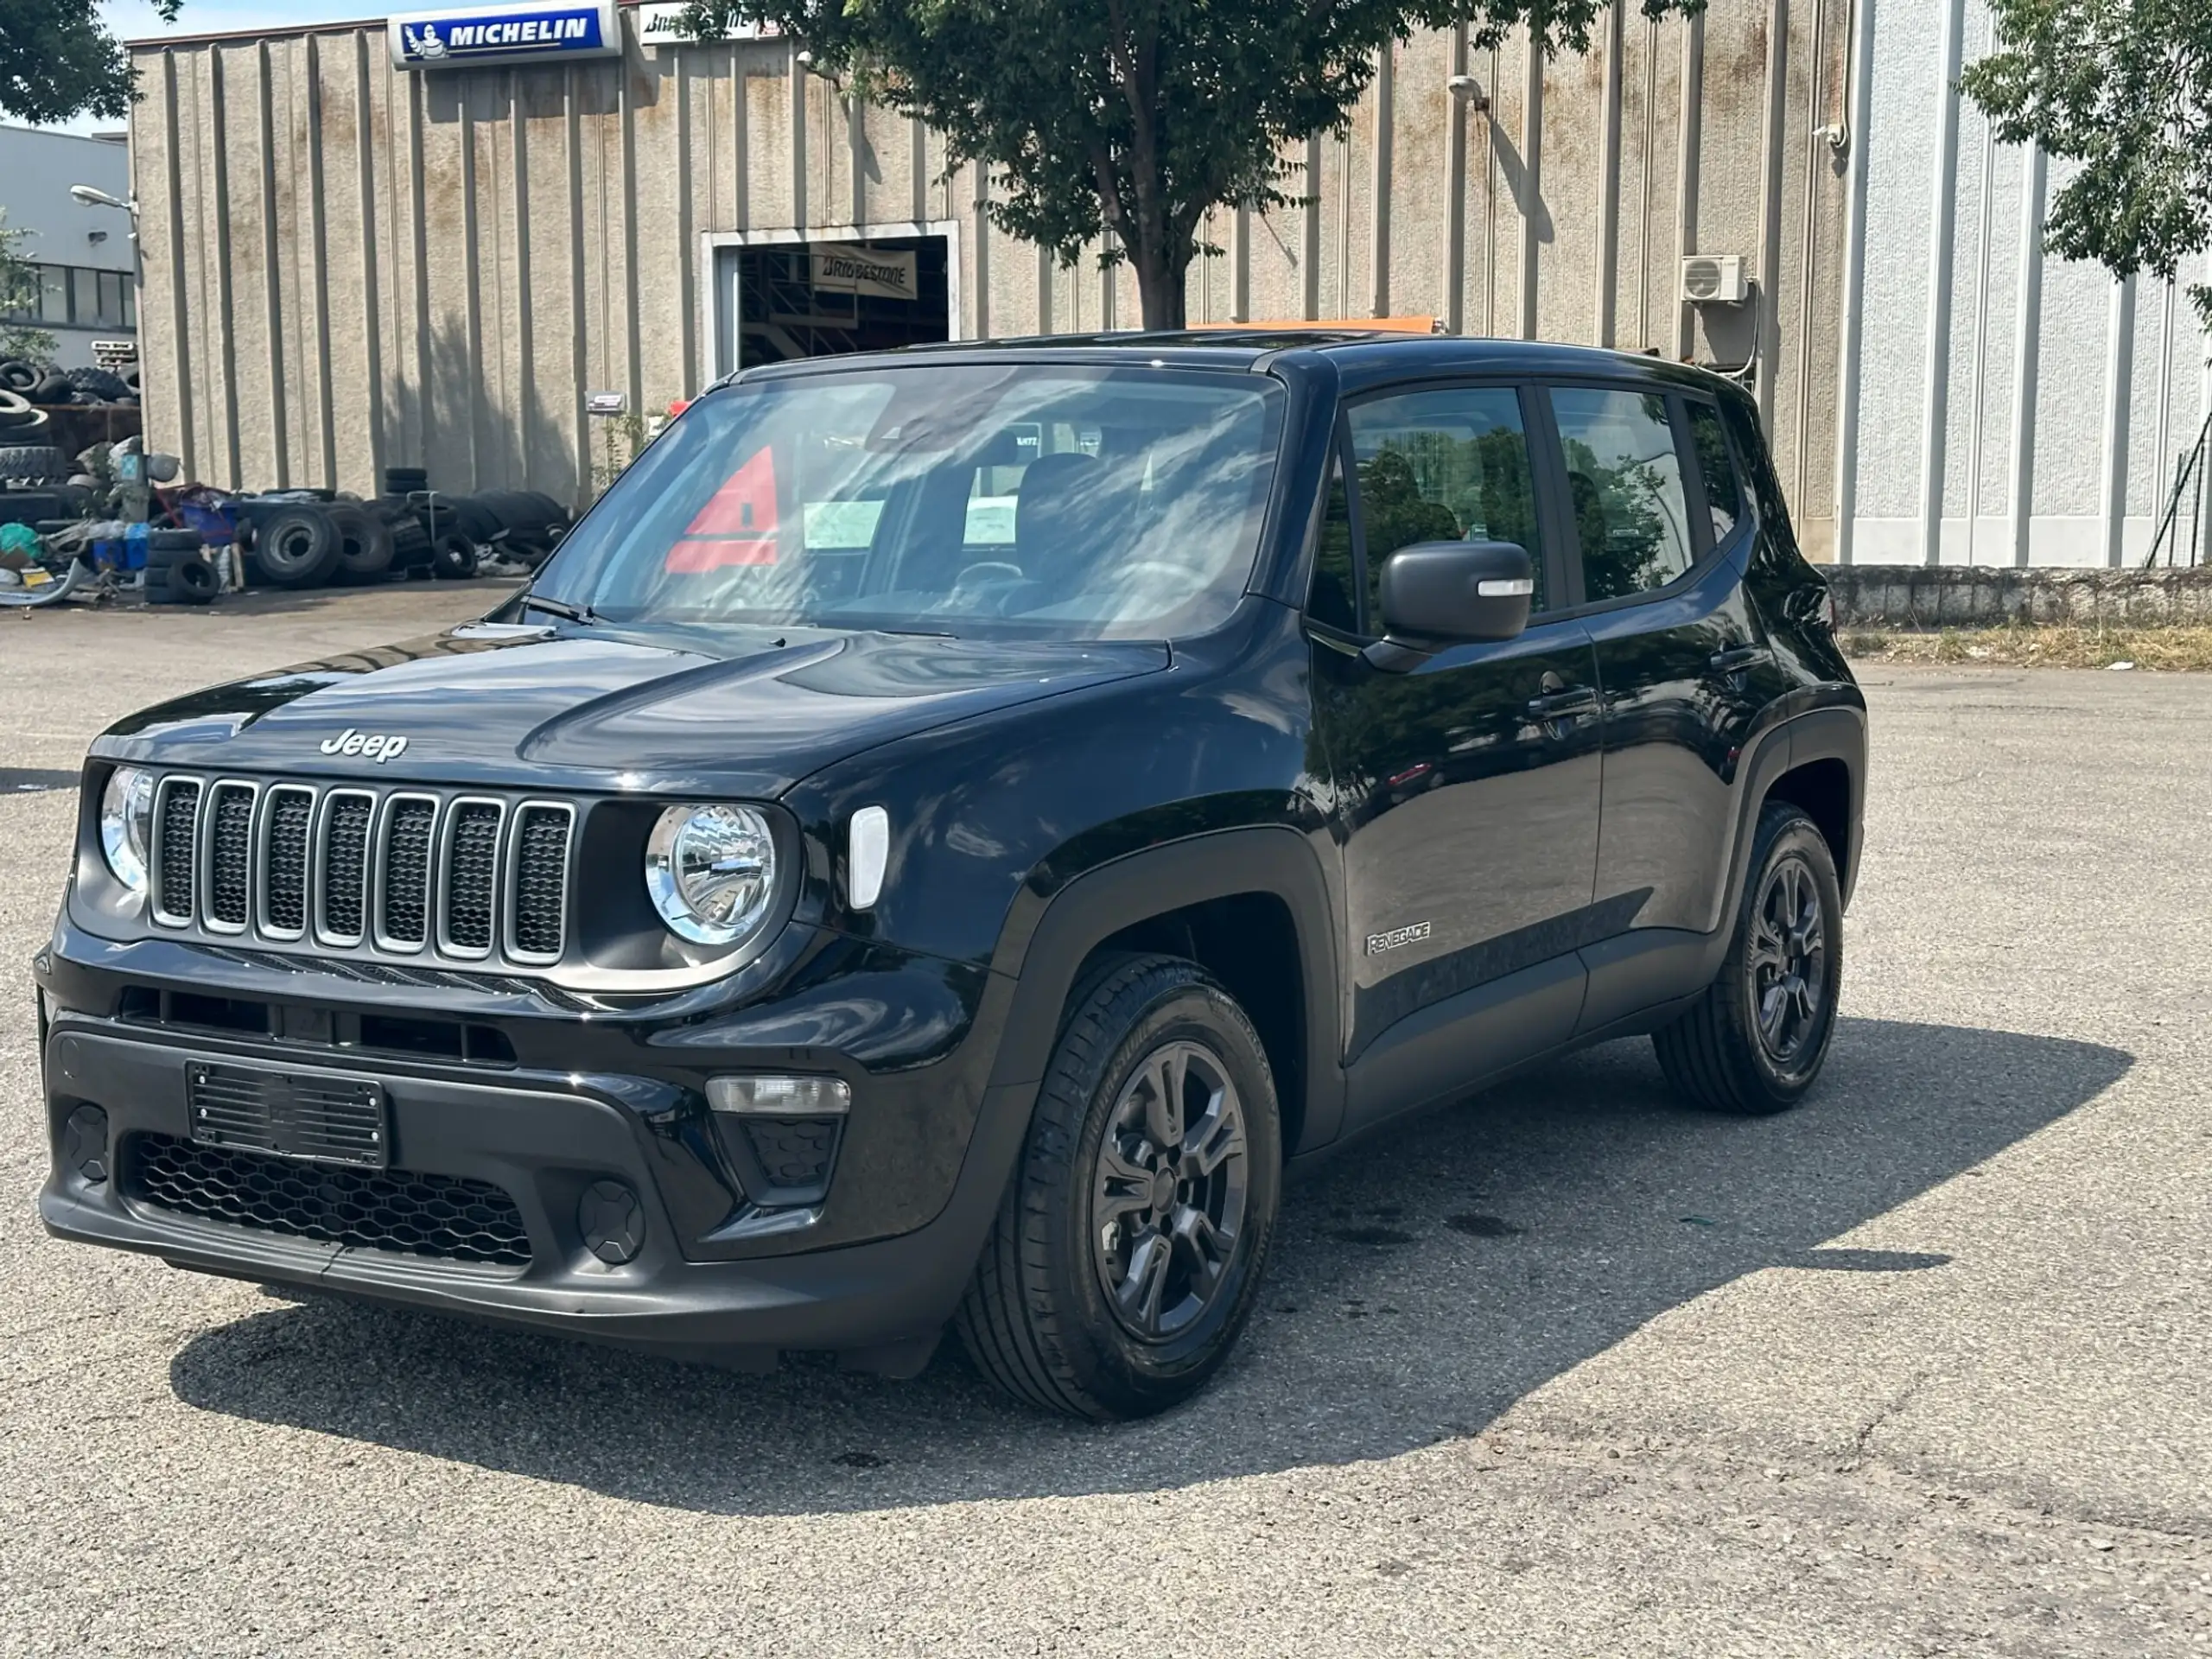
291,1115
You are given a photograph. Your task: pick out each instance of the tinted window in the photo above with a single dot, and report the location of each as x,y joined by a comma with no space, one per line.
1625,480
1335,595
1444,466
1722,497
1029,500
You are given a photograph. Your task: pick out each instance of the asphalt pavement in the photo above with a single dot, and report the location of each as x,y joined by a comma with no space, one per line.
1566,1369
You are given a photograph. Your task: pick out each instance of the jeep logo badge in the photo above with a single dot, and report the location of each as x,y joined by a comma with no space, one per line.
370,745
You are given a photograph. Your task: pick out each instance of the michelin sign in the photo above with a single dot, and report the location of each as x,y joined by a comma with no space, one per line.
508,33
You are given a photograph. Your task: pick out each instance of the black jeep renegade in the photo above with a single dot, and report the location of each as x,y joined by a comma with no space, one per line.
949,832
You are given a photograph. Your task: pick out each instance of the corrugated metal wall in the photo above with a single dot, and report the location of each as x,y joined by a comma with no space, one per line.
348,266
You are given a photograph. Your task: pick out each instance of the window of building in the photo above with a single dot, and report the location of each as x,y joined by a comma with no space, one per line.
77,296
1625,482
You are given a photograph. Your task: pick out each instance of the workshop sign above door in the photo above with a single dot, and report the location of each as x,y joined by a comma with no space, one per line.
861,271
462,36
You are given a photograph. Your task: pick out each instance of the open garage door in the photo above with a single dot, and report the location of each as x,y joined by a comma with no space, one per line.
779,300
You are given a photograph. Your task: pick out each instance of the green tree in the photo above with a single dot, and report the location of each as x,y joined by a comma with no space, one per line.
57,59
2123,87
19,289
1131,118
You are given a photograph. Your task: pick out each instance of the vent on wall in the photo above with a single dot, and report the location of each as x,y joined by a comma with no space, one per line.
1714,279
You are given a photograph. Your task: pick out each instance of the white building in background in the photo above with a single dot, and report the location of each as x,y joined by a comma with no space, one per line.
88,260
2008,409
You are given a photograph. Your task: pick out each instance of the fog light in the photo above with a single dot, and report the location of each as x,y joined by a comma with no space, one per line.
84,1144
780,1097
781,1134
612,1221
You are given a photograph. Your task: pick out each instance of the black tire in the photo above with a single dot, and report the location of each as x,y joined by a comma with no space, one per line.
53,388
479,523
104,386
19,375
452,557
15,410
1755,1041
1042,1318
189,580
296,546
365,546
33,464
404,480
133,380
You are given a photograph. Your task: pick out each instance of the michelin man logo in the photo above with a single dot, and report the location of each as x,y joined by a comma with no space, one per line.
425,44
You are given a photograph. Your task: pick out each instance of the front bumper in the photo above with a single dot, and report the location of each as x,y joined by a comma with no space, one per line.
542,1140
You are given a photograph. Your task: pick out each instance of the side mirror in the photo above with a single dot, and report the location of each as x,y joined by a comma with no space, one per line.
1438,593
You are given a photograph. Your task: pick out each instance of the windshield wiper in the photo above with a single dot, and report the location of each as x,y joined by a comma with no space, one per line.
560,607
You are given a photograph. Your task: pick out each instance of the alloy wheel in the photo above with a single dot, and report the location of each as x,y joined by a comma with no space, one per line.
1788,960
1169,1194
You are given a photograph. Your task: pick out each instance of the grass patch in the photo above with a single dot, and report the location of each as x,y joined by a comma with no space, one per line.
2186,650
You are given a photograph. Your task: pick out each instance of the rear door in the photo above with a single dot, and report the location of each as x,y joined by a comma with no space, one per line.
1660,534
1467,788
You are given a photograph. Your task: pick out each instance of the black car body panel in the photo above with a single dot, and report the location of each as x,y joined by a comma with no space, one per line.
1417,871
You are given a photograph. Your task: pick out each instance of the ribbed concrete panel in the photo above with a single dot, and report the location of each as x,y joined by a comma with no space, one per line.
348,266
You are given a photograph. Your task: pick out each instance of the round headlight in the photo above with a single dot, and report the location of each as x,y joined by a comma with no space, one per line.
127,824
711,871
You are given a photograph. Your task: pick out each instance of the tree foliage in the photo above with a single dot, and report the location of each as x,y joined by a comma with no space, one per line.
57,59
1131,118
2124,88
19,289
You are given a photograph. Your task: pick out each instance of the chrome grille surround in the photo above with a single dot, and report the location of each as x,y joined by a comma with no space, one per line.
404,873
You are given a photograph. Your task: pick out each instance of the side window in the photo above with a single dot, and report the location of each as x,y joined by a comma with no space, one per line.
1724,496
1625,482
1449,465
1335,596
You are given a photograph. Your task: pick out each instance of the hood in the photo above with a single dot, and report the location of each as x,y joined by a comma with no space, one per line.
746,712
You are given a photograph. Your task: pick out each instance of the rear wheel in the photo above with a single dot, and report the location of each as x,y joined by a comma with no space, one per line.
1756,1040
1129,1250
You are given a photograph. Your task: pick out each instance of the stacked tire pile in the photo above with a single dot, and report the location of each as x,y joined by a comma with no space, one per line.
42,383
306,538
177,571
29,460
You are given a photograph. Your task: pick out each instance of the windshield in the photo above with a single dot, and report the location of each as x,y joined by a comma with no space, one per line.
1028,500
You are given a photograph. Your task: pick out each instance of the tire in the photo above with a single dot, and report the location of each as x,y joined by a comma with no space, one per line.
133,378
365,549
102,385
15,410
452,557
19,375
1721,1054
1045,1316
404,480
37,463
479,523
53,388
296,546
188,578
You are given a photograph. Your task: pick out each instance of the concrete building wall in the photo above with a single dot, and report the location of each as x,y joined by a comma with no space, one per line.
348,266
2097,439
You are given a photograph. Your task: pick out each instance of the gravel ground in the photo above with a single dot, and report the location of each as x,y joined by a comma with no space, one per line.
1566,1369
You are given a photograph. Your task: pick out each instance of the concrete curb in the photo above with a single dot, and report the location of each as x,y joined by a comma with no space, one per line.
1969,596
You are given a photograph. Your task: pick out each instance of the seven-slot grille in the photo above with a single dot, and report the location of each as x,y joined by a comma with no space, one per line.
399,872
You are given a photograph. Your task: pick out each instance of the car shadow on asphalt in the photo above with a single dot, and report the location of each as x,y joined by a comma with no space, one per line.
1419,1286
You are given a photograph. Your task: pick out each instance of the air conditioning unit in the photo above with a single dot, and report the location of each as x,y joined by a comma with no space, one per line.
1714,279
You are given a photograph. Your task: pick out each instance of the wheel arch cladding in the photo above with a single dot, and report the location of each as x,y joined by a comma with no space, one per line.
1250,905
1823,789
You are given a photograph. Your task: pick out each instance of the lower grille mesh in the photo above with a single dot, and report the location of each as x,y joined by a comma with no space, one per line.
440,1216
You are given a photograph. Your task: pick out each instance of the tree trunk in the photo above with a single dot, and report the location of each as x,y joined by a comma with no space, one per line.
1161,287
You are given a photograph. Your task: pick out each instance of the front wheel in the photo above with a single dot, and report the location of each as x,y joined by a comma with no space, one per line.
1129,1250
1756,1040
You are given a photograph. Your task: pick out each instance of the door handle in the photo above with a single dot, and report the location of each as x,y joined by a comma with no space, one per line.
1557,705
1741,658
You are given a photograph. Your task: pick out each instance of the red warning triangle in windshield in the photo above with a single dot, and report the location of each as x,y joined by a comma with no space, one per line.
736,526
